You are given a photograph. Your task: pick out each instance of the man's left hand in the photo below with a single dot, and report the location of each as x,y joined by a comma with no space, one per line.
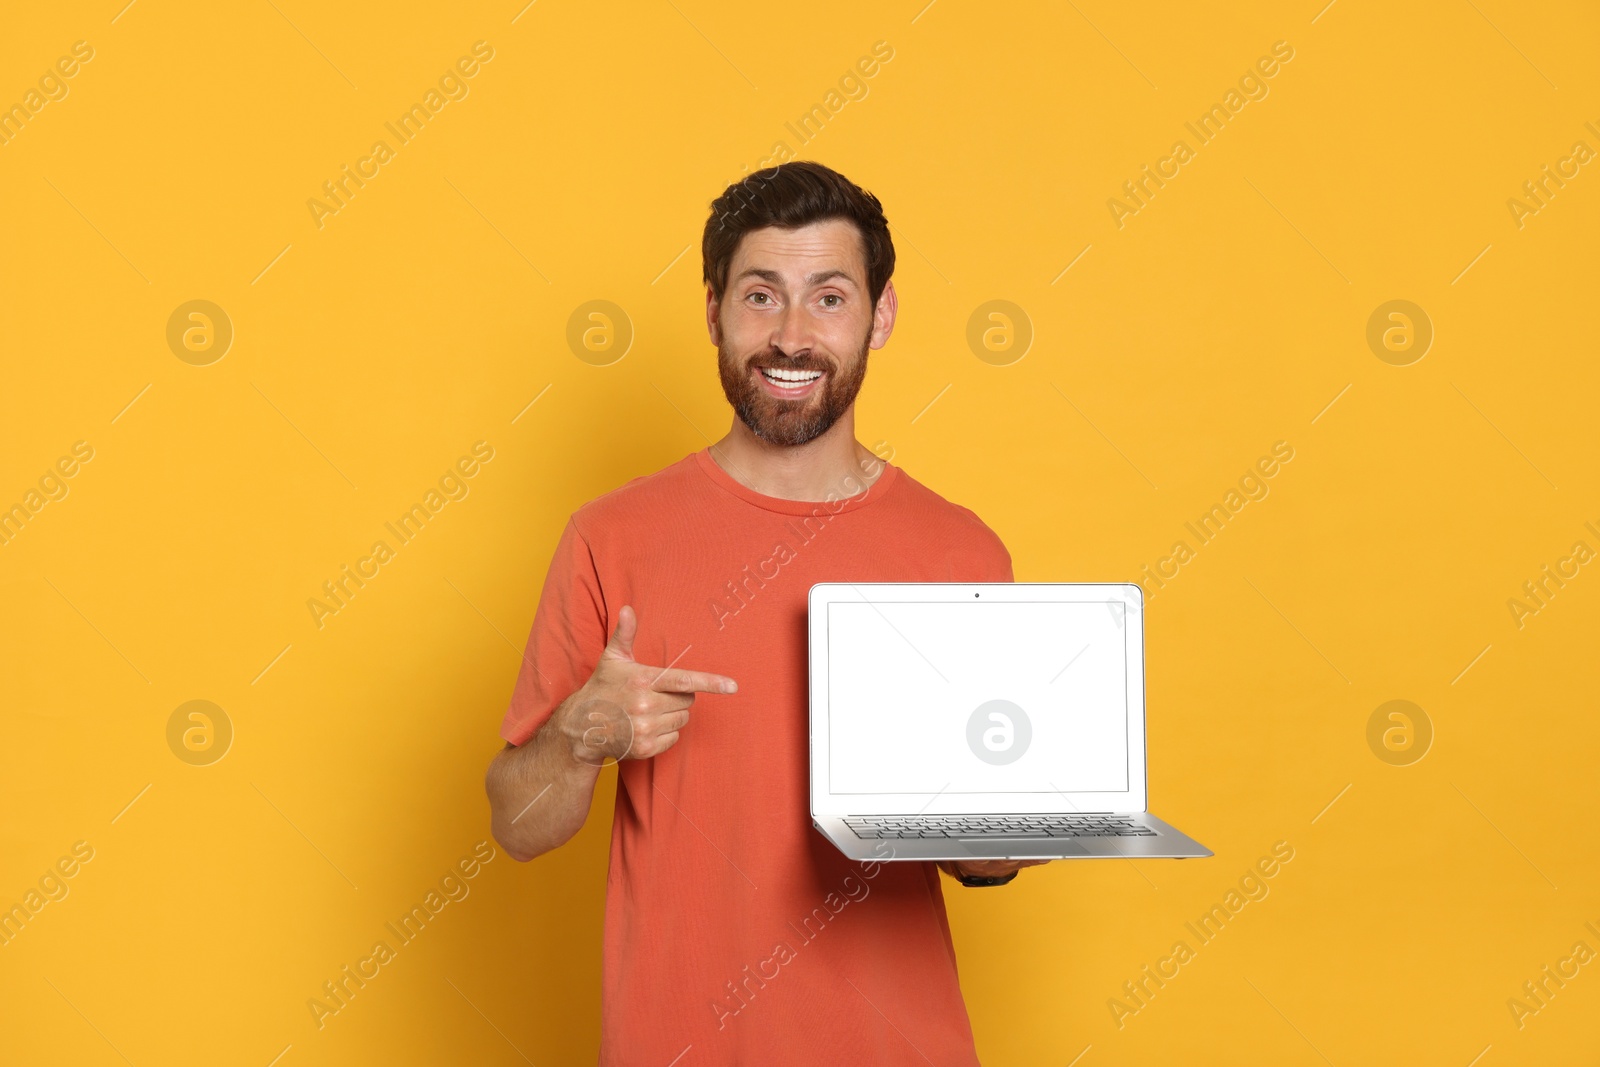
986,868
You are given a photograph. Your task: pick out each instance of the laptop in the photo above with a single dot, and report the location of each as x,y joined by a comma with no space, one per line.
981,721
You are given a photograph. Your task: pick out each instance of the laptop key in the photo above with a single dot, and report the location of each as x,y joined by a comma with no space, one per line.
1008,827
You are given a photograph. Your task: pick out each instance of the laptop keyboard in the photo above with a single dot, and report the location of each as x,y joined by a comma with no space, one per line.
878,827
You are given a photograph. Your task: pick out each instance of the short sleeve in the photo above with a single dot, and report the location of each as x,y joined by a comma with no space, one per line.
1001,563
988,559
568,635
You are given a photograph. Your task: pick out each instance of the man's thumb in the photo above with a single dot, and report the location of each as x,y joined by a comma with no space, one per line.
621,643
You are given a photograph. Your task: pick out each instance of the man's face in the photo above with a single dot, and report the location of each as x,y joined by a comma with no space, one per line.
794,327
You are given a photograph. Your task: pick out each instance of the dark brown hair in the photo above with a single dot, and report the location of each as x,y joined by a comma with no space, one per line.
791,195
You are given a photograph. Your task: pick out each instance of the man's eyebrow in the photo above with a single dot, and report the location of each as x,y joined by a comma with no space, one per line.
814,278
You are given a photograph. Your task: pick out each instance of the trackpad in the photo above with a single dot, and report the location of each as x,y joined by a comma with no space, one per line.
1052,848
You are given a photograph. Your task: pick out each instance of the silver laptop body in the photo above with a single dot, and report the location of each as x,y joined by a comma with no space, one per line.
981,721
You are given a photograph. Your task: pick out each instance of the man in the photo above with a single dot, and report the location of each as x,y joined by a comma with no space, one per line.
734,932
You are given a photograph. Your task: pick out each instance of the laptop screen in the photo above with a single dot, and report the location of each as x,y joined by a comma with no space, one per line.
977,697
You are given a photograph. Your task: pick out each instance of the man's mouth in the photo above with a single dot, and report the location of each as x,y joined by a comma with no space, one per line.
790,384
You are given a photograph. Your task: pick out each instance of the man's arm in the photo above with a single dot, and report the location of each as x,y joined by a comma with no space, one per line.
540,791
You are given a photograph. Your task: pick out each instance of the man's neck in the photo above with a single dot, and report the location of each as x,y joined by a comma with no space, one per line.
834,463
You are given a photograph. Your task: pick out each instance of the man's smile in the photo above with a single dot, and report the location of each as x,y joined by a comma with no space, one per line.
790,384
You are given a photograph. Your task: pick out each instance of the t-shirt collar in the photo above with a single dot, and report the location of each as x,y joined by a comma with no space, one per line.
847,496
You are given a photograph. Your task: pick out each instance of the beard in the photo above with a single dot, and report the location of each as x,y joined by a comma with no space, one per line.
791,422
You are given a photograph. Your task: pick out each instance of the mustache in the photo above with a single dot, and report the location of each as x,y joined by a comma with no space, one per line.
779,361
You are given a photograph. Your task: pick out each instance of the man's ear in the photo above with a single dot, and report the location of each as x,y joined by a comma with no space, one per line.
883,316
713,316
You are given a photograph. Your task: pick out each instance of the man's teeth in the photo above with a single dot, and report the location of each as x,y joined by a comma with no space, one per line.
799,377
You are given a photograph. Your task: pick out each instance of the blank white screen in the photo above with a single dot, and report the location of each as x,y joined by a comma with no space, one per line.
905,679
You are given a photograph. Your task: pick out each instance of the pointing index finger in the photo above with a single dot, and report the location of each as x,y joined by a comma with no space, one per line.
673,680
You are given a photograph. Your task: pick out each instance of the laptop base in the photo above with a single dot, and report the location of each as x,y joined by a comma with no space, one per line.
1165,843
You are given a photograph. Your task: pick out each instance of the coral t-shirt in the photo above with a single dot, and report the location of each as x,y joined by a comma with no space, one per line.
735,933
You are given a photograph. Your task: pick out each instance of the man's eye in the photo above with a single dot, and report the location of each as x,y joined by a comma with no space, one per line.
758,296
833,296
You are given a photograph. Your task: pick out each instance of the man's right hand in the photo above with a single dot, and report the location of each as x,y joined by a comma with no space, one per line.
628,709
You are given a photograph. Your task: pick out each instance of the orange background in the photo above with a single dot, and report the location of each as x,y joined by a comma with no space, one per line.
1230,312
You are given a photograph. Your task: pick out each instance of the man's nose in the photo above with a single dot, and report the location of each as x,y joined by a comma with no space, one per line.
793,333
